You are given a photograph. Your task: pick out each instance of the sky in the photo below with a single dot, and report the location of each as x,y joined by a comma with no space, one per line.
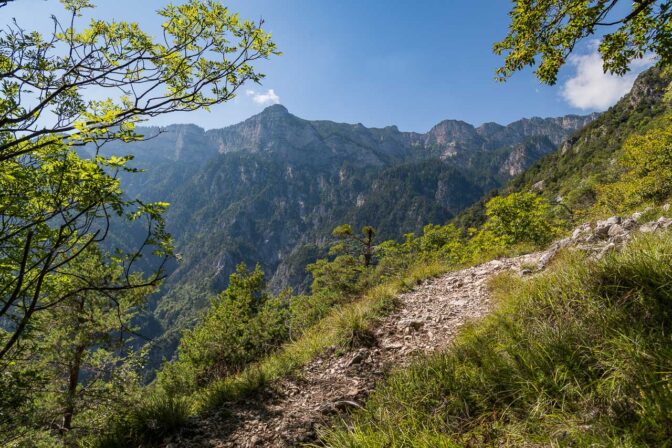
379,63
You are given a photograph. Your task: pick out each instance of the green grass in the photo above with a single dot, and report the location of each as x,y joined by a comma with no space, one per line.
160,413
153,418
578,356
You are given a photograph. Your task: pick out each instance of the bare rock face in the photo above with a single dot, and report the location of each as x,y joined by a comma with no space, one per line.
538,186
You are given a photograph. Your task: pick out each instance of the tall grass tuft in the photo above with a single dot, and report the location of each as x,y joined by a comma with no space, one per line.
154,418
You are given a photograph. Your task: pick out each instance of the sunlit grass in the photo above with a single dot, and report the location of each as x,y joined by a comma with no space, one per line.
340,328
578,356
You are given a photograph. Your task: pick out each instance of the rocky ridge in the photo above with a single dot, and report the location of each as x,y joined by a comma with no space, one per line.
290,411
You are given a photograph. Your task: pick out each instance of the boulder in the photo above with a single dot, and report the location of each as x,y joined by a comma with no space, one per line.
538,186
579,231
616,230
664,222
602,227
629,223
614,220
648,227
601,230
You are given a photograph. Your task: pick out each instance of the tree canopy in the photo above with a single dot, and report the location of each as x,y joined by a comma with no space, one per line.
543,33
59,191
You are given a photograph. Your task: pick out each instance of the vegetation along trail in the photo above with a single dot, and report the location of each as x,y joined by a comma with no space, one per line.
288,412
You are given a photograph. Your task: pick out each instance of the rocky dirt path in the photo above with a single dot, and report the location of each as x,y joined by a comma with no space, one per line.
289,411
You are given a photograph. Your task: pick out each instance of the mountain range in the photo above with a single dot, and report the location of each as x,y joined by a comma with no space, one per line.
269,190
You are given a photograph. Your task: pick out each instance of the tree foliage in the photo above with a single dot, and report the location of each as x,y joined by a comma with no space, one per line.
66,306
54,203
244,323
358,246
52,199
75,369
345,275
522,217
646,161
545,32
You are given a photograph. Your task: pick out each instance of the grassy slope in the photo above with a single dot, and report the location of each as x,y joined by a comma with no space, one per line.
580,356
160,413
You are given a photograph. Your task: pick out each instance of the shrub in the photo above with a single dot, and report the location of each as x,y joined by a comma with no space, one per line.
243,324
340,277
520,218
647,161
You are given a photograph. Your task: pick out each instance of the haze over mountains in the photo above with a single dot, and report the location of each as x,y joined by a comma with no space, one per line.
269,190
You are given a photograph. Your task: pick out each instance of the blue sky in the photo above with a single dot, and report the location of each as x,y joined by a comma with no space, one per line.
380,62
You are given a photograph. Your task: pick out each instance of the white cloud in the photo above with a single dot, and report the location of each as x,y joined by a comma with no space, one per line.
270,97
591,88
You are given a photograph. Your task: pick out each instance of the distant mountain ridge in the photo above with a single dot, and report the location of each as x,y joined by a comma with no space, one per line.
275,129
271,188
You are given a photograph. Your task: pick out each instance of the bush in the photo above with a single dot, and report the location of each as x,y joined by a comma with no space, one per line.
340,277
647,161
243,324
520,218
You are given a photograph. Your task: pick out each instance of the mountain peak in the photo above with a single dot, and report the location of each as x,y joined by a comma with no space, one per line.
275,109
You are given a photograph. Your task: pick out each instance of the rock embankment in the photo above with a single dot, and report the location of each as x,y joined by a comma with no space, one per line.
604,236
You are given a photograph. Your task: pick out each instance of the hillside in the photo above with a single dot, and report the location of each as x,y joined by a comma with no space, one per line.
425,332
291,411
575,356
262,279
555,357
579,355
573,175
269,190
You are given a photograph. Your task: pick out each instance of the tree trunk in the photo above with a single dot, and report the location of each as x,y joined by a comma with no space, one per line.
71,392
